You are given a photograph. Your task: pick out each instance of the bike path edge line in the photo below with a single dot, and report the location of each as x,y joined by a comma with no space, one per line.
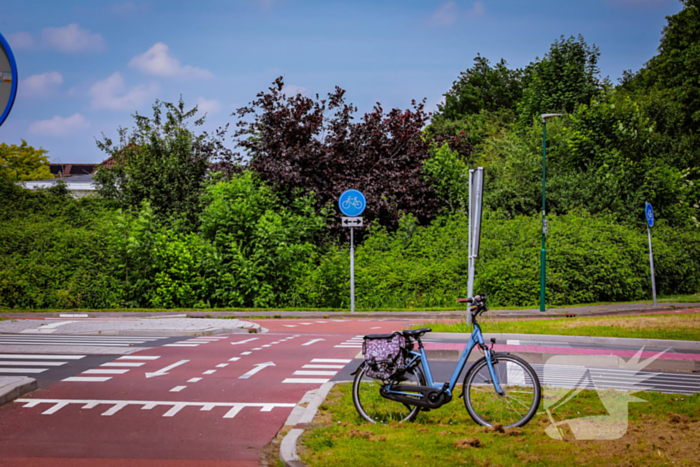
12,387
301,415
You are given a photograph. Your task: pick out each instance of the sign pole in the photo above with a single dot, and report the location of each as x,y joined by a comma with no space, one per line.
651,263
352,270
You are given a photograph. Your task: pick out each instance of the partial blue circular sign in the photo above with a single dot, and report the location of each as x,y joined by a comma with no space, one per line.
8,79
352,203
649,212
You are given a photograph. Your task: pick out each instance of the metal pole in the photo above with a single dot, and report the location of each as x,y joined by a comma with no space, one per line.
352,270
651,263
470,226
543,253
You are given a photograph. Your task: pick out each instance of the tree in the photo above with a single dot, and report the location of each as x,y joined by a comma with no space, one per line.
24,163
566,77
482,87
162,161
313,145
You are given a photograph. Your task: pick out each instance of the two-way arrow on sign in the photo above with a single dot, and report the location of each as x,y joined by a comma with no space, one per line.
258,367
163,371
352,222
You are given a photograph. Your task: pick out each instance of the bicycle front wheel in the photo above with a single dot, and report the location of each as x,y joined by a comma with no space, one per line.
376,409
521,392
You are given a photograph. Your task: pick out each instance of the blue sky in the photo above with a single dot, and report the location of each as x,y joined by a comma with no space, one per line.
86,66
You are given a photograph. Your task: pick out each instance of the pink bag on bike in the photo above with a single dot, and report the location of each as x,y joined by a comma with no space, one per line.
384,354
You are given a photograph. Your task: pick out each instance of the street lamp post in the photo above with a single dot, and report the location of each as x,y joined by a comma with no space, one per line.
543,253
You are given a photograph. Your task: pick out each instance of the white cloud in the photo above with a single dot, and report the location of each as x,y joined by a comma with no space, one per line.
449,13
113,94
477,10
72,39
21,41
446,15
210,107
291,90
41,85
158,62
59,126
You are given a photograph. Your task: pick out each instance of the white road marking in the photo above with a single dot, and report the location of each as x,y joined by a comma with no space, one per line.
222,365
289,325
347,346
243,342
330,360
23,370
313,341
258,348
267,345
246,353
194,380
34,363
314,373
258,367
234,359
178,388
44,357
306,380
163,371
134,357
87,379
306,324
377,327
176,406
209,372
104,372
125,364
72,343
339,367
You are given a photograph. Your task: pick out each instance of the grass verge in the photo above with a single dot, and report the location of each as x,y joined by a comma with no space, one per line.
678,327
663,430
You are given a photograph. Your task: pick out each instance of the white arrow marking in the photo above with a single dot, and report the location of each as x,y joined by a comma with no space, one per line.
163,371
258,367
314,341
243,342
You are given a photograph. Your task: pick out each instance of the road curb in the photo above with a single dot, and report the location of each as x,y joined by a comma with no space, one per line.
12,387
303,413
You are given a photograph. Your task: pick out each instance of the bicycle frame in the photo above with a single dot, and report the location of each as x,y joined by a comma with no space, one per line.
475,339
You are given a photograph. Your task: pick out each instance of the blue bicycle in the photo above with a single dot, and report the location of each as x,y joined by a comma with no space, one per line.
499,388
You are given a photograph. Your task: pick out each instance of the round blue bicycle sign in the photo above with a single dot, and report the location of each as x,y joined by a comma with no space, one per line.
8,79
352,203
649,212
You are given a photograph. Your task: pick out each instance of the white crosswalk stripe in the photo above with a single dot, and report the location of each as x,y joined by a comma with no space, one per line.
327,367
74,340
23,364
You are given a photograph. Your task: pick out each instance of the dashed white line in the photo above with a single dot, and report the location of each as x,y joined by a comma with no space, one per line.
243,342
178,388
314,373
194,380
234,359
339,367
222,365
330,360
246,353
306,380
209,372
258,348
104,372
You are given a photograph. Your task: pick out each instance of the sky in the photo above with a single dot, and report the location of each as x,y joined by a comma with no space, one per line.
85,67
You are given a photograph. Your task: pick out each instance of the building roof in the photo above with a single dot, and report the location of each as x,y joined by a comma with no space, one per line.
72,170
75,183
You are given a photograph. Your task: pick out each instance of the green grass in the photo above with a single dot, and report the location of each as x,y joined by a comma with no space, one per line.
664,430
678,327
693,298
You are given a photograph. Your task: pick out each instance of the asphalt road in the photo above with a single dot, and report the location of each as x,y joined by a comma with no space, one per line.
204,401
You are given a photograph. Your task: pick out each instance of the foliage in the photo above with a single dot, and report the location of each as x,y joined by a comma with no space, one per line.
590,259
482,87
567,76
448,176
24,163
292,144
162,161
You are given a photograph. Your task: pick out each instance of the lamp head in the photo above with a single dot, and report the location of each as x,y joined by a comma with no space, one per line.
546,116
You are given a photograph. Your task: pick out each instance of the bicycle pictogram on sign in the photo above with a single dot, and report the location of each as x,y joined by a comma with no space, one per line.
352,203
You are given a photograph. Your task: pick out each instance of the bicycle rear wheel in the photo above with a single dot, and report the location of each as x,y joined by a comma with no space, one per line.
376,409
521,387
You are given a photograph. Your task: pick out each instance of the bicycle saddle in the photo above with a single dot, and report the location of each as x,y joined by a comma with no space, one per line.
416,332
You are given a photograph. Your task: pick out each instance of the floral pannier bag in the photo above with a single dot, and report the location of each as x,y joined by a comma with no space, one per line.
384,354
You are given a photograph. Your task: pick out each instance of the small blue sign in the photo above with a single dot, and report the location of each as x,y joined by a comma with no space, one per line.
352,203
649,212
8,79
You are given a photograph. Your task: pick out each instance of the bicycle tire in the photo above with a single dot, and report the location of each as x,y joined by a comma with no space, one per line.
374,408
520,385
